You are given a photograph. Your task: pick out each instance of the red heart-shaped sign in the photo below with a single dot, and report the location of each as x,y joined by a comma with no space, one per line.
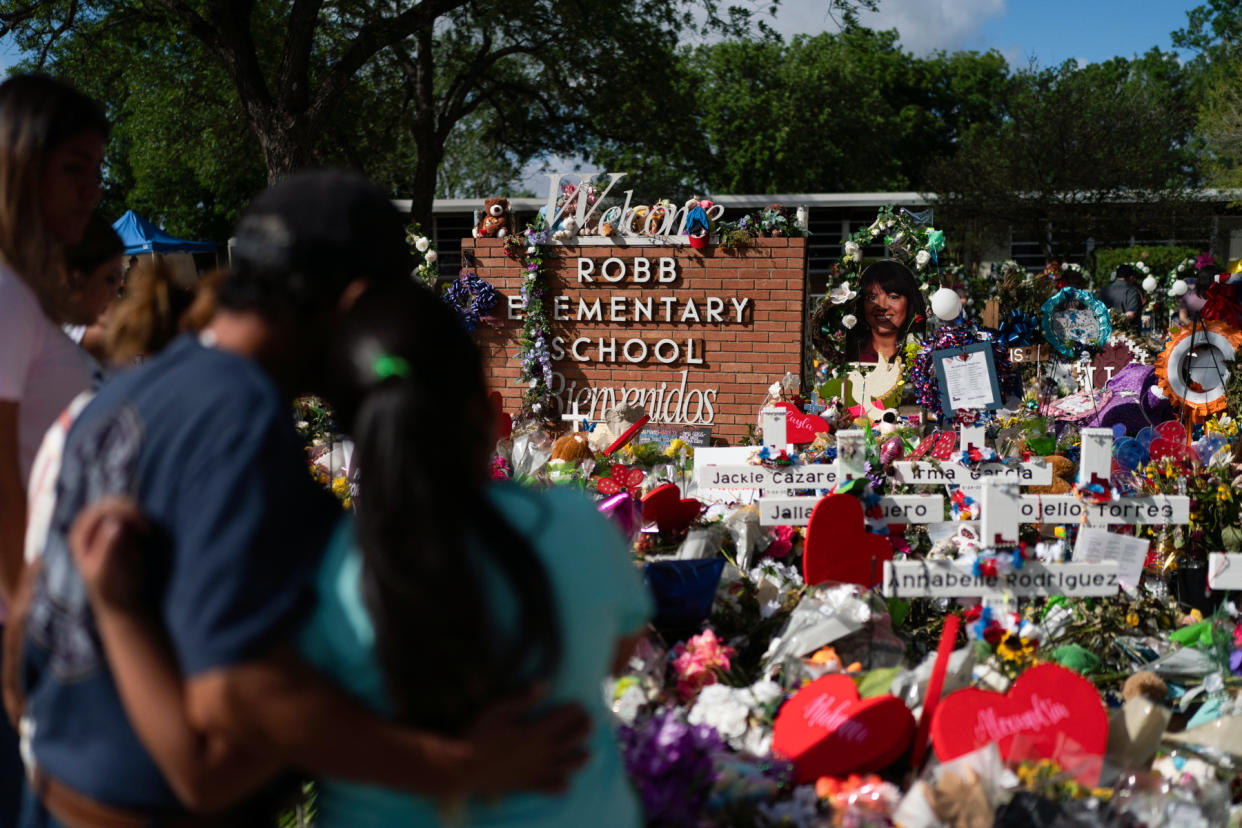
839,548
665,507
628,476
802,428
1049,713
826,730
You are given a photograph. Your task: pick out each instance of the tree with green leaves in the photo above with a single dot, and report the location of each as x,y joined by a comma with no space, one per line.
837,112
1072,138
1214,33
528,74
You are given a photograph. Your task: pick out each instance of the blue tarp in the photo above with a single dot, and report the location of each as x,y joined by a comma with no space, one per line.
141,236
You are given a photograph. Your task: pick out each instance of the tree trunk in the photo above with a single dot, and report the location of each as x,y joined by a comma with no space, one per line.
430,154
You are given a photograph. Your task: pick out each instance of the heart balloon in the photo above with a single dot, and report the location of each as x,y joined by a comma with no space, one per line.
1049,713
839,548
826,730
1172,430
802,428
665,507
1162,449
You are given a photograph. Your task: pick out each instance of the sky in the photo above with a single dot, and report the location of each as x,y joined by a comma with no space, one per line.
1047,31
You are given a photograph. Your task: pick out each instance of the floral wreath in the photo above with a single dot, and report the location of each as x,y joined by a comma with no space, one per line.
914,244
1078,340
923,372
1007,268
471,297
1057,271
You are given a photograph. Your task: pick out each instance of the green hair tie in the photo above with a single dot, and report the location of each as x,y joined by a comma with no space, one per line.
387,365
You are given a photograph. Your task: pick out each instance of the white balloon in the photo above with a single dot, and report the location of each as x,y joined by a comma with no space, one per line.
1150,284
946,304
1178,288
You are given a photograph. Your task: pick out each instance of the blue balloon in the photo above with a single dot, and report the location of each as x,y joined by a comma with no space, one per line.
1119,431
1130,454
1146,436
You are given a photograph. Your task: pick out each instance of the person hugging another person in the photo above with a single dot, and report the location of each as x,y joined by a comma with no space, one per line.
172,685
890,308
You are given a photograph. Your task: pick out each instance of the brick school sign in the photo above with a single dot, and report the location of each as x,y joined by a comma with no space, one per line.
695,337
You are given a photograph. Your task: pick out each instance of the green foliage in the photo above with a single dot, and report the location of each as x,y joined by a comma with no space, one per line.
1160,258
849,111
1118,132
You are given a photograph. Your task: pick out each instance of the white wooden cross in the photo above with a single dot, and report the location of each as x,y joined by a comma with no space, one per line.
1004,508
576,418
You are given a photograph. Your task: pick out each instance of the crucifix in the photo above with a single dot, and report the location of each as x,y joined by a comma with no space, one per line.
576,418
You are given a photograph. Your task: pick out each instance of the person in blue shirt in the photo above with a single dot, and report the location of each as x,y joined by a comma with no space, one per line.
201,438
448,592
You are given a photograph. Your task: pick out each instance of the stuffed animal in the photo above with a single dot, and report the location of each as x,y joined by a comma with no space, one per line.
567,453
497,221
567,230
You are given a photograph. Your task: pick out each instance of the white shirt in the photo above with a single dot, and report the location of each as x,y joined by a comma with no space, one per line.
40,368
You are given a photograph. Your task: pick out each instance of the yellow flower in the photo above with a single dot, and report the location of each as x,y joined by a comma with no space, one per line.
1196,614
1132,618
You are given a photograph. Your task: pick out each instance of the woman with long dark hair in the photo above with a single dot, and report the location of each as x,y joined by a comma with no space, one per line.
890,307
449,593
51,148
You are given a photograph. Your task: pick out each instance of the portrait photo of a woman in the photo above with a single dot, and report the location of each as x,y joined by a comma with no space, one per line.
889,309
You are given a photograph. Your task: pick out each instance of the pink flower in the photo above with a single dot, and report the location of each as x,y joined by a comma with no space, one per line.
782,542
1237,636
698,663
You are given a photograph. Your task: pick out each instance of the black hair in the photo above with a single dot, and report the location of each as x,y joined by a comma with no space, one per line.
893,277
406,381
302,241
99,244
1126,272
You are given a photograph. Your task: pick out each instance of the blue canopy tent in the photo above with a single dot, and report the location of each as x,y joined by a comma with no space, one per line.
141,236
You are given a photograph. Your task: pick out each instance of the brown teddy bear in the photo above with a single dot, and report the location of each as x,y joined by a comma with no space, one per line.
496,222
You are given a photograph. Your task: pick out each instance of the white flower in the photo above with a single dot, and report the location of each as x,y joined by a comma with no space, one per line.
766,691
889,223
841,294
430,256
774,390
849,321
853,251
630,702
421,244
876,229
922,258
531,250
769,609
718,706
536,408
900,235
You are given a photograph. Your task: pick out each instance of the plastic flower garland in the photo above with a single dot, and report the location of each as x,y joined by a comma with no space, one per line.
1071,336
424,249
471,297
536,360
916,245
923,372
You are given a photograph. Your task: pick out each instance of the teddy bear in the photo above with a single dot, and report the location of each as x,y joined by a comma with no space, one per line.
568,453
497,221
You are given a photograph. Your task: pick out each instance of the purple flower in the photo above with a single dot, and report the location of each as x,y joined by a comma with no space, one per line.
1235,662
672,764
